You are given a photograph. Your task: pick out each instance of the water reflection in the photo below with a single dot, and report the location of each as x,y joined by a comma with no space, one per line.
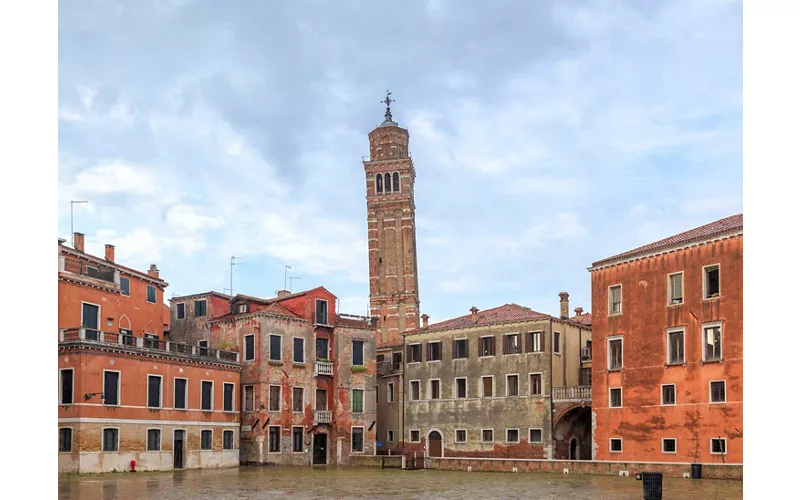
247,483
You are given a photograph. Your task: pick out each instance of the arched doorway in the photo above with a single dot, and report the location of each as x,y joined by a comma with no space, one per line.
574,449
434,444
572,434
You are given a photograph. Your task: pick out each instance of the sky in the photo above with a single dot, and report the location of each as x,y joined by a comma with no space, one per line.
545,135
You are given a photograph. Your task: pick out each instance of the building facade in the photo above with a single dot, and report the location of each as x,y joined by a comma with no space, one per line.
190,316
667,382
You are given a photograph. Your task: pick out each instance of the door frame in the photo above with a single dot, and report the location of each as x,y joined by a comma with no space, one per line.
428,443
184,435
577,449
314,448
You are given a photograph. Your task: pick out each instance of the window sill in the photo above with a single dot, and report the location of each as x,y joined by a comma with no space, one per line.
615,369
676,304
275,363
152,408
710,299
358,369
556,352
511,354
298,364
207,411
249,360
711,361
611,315
434,361
682,363
718,402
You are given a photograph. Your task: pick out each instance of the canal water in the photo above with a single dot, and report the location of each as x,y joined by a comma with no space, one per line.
245,483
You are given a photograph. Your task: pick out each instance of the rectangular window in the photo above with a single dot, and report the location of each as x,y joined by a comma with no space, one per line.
200,308
461,388
243,308
299,351
274,439
460,349
110,439
668,394
718,446
585,376
153,440
358,353
390,436
151,294
718,391
227,396
322,312
414,390
712,343
202,347
297,399
125,286
435,389
180,311
249,398
487,436
614,354
710,282
615,397
322,400
179,394
358,401
434,351
534,342
414,354
206,395
274,398
227,440
511,344
397,360
357,436
66,387
111,388
488,386
512,385
275,347
557,342
512,435
153,391
65,439
322,349
487,346
297,439
669,445
615,299
461,435
414,436
676,288
536,384
90,320
249,347
206,439
390,392
535,436
675,347
615,445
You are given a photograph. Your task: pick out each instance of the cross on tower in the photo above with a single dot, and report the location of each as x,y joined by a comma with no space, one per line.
388,101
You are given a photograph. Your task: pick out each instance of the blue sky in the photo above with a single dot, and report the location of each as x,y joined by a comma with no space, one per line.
545,135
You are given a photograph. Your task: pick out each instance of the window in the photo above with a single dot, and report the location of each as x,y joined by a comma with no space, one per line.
534,342
511,344
322,400
243,308
357,437
151,294
615,445
435,390
180,311
585,376
396,182
379,183
669,445
297,439
274,347
358,353
487,436
202,347
390,392
179,394
249,347
460,349
615,397
487,383
227,440
487,346
414,436
390,436
274,398
322,349
414,390
66,387
397,360
675,286
90,320
461,435
461,388
675,347
206,395
125,286
110,439
299,350
668,394
535,436
712,343
615,299
227,396
615,354
110,388
65,439
512,385
274,439
718,446
512,435
153,391
358,400
387,182
536,384
718,391
200,308
206,439
249,398
297,399
557,342
434,351
414,353
151,341
322,312
153,440
710,282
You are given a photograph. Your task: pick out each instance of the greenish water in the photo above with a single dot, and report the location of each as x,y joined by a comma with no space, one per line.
245,483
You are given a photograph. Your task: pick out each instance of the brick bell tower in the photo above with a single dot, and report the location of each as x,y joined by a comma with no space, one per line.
393,284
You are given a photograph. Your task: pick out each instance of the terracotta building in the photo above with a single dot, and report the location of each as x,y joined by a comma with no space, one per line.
667,383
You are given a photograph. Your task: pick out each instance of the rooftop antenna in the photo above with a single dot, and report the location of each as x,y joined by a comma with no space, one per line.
285,274
233,263
291,278
71,216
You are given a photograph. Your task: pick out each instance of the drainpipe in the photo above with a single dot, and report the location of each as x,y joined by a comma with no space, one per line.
403,398
552,428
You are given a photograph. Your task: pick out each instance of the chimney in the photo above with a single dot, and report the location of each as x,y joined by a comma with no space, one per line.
77,241
153,271
578,311
283,293
425,320
474,311
564,305
110,253
61,241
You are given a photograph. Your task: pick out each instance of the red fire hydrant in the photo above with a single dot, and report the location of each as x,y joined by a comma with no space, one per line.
133,465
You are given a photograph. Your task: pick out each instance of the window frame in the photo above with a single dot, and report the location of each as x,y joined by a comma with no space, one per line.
270,440
483,436
147,439
411,436
210,441
611,311
428,351
508,441
609,341
204,308
389,392
541,384
302,439
674,394
530,344
122,289
411,390
455,388
269,398
557,343
492,345
280,348
708,326
483,387
724,445
253,337
669,333
119,388
61,387
466,348
103,440
233,397
202,384
670,289
147,294
390,435
705,281
185,394
430,389
410,349
353,343
352,439
232,434
180,310
611,445
610,399
160,391
317,302
530,435
353,400
245,398
711,392
664,449
520,348
302,348
302,399
508,376
71,438
455,436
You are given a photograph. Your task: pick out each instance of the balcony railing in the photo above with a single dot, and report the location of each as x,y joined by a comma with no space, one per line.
323,417
145,344
98,271
388,368
574,393
323,368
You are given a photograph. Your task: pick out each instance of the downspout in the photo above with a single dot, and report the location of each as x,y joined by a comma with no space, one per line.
403,398
552,409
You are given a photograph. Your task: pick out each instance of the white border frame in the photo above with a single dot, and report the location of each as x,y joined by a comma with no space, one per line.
390,393
61,386
521,346
244,346
280,398
553,343
441,351
363,439
530,431
280,351
518,385
411,392
621,402
155,294
675,394
352,352
103,439
390,437
302,400
99,315
703,276
317,300
428,442
244,398
455,436
233,440
681,329
120,286
610,339
519,438
119,388
430,389
411,433
711,445
487,442
664,451
541,384
194,308
455,387
147,439
669,289
185,394
609,304
302,436
294,361
611,448
160,392
352,400
185,446
479,346
453,354
541,341
201,440
201,395
184,310
703,327
420,353
483,391
233,397
710,392
280,439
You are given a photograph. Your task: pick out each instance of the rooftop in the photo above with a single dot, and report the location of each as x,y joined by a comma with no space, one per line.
504,314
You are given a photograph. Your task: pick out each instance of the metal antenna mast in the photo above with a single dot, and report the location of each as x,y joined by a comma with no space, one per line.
285,274
233,263
292,278
71,216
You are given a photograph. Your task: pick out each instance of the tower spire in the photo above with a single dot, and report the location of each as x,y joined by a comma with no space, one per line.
388,116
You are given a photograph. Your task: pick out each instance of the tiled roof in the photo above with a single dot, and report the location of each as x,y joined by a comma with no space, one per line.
584,319
202,294
107,263
504,314
347,320
272,300
391,343
728,224
271,309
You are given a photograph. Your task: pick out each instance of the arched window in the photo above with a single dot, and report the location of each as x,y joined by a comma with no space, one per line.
379,183
396,183
387,182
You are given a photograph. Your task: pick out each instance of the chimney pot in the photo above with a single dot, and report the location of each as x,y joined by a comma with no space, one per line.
77,241
283,293
564,296
110,253
578,311
474,311
425,318
153,271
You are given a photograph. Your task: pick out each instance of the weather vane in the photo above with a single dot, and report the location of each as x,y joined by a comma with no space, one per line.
388,101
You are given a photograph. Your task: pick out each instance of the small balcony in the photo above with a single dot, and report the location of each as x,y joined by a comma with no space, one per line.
323,368
96,272
323,417
576,393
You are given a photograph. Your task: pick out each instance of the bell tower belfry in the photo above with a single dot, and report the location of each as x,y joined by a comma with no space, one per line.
393,284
